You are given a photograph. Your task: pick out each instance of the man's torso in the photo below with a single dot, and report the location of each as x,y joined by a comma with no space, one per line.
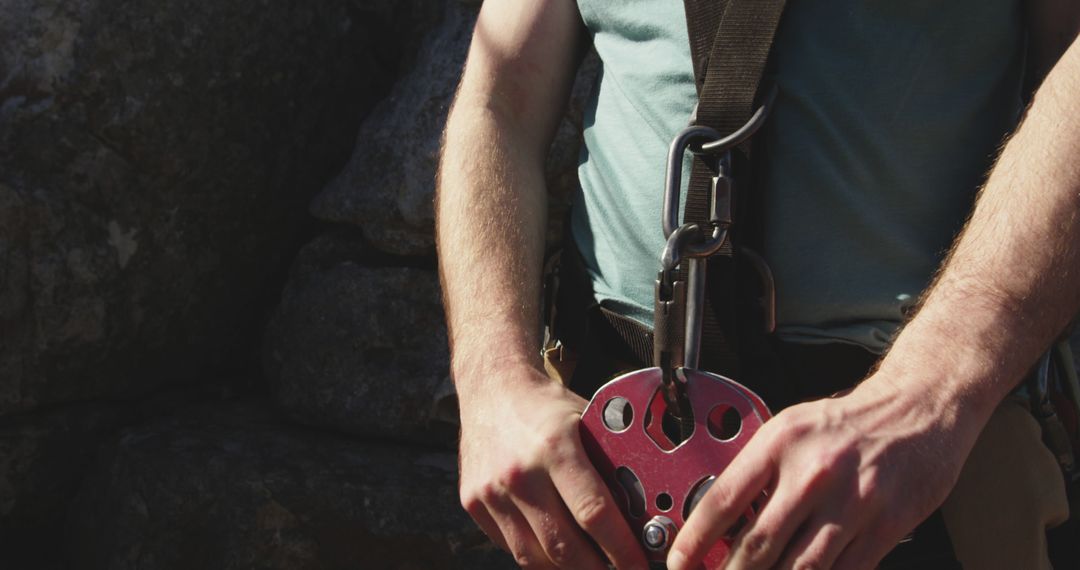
887,119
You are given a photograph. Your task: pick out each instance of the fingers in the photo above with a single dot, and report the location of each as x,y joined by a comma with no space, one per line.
834,525
525,515
519,537
487,524
818,546
538,494
592,506
765,539
561,540
726,501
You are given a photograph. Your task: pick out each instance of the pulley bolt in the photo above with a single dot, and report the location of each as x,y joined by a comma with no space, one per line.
658,533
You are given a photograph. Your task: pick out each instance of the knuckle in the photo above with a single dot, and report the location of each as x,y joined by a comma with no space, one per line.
593,511
553,440
559,552
827,459
470,502
513,478
519,549
488,493
475,498
524,555
825,467
558,449
721,496
789,424
830,535
755,544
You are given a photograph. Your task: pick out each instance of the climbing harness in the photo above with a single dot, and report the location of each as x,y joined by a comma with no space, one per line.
1054,393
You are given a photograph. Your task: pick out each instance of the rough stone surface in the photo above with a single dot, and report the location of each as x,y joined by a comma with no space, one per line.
233,488
359,348
43,458
1074,343
387,188
155,162
42,461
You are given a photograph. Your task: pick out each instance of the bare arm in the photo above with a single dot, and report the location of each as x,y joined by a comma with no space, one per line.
851,475
491,204
525,478
1012,282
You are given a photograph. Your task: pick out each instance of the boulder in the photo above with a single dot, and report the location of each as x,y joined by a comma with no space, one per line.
387,188
156,159
43,459
360,348
229,486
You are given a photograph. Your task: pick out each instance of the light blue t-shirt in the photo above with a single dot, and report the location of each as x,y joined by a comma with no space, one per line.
887,119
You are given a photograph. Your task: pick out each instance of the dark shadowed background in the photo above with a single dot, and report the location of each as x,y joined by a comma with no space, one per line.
221,339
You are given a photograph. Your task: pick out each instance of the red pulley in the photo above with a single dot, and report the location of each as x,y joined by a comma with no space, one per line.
656,479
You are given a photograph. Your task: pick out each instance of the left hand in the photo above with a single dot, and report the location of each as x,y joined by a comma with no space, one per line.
846,478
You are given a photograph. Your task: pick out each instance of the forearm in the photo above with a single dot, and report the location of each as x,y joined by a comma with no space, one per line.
491,201
491,212
1012,281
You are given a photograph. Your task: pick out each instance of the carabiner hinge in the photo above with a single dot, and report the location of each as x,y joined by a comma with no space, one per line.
722,194
669,347
669,323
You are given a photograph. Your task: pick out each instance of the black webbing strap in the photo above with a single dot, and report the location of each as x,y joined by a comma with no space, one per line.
734,62
730,42
582,323
637,337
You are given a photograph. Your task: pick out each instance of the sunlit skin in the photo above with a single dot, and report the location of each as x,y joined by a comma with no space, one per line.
848,476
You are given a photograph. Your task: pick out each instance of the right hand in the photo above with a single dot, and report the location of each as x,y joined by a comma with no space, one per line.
527,482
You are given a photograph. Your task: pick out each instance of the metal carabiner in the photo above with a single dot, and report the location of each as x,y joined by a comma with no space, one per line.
677,314
690,294
712,143
673,178
743,133
701,140
669,312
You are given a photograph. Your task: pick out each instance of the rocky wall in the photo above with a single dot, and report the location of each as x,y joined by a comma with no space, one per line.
358,343
156,165
221,335
235,486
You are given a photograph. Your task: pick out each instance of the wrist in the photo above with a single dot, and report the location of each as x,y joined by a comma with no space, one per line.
927,399
492,362
492,342
485,394
964,362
